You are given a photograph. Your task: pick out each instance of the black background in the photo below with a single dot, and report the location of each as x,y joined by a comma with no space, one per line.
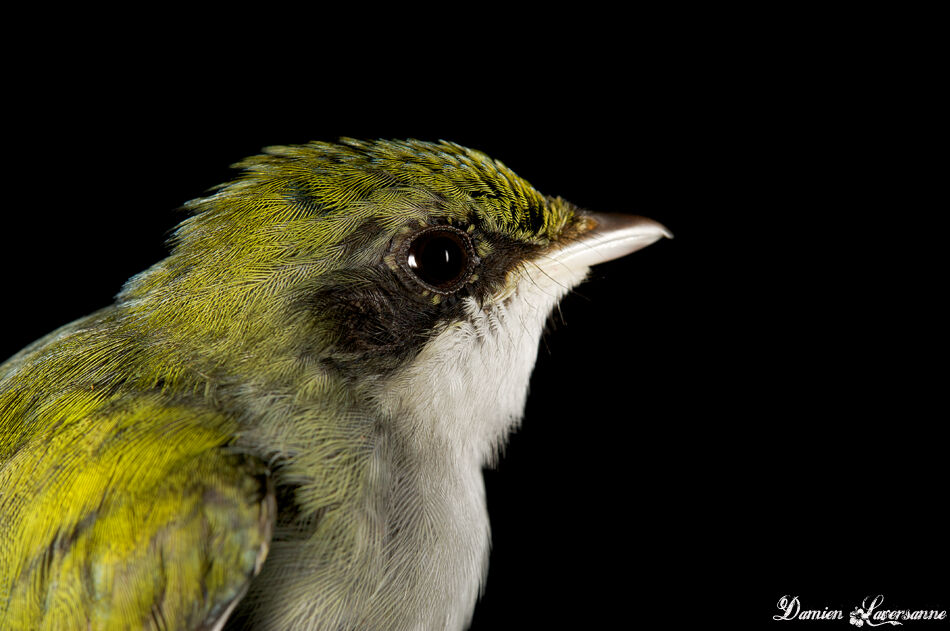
753,409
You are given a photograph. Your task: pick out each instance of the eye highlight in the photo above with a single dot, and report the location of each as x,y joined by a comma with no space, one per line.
440,258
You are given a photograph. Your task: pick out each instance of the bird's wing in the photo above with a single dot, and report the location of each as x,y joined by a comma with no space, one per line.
139,517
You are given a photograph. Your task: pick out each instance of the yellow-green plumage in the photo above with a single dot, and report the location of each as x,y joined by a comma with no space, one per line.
281,388
119,508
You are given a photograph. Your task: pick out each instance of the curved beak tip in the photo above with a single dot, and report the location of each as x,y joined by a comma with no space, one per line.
605,237
615,235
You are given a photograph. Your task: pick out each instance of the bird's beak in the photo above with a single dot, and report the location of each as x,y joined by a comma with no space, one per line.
608,236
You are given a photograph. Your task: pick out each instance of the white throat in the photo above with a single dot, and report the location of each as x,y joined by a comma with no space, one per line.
467,388
454,406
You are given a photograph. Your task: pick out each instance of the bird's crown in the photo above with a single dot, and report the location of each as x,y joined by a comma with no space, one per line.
335,233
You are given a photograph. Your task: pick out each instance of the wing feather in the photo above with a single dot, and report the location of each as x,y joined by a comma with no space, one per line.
140,516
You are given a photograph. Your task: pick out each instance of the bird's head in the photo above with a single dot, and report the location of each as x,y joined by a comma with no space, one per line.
418,274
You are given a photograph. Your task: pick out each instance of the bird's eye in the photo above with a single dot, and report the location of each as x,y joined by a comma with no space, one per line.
441,258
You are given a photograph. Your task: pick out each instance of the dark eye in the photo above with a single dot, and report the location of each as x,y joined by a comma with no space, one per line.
441,258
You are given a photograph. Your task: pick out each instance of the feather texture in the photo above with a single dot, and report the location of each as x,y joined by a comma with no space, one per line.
281,387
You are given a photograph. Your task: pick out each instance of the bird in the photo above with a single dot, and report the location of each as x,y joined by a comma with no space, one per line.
284,423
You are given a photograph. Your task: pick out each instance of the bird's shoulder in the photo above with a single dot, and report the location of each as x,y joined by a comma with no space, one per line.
126,510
